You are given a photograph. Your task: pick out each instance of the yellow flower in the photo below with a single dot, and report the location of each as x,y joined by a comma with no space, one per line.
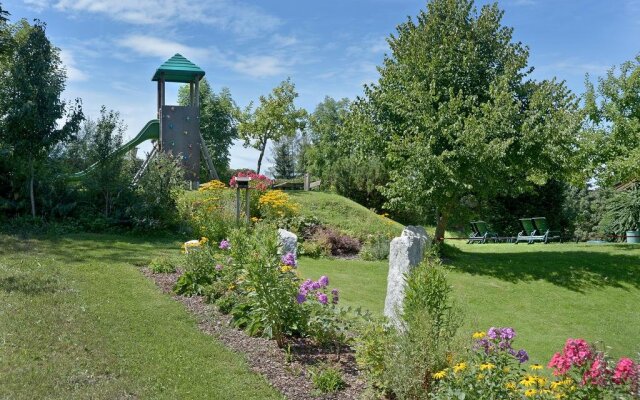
536,367
285,268
440,374
486,366
211,185
530,392
511,385
480,377
459,367
478,335
528,381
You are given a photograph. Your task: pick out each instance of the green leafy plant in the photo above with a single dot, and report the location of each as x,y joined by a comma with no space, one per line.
327,379
162,265
372,345
376,247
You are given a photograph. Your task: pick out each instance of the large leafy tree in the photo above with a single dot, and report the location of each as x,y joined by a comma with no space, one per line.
30,104
325,124
107,178
218,122
455,115
275,118
611,138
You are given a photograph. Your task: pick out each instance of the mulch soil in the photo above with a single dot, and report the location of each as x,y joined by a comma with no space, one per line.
289,374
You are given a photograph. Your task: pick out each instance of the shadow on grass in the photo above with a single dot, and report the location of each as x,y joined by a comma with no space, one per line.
89,247
28,285
574,270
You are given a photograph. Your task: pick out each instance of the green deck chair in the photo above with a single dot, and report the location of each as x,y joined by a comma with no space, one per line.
529,232
481,233
543,228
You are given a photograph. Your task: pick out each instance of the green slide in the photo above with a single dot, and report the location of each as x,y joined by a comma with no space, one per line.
150,131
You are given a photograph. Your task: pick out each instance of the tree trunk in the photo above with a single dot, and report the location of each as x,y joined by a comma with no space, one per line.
264,146
31,193
441,225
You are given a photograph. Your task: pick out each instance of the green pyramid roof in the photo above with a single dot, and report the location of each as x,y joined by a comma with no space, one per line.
178,69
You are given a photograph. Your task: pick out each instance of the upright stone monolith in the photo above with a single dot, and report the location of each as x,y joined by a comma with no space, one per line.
287,242
406,251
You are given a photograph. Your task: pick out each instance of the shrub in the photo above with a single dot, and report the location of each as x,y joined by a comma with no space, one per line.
623,211
376,247
427,332
327,379
313,249
276,204
209,213
202,268
162,265
372,345
259,184
340,245
270,288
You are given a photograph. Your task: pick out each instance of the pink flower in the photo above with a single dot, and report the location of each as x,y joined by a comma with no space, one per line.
577,351
625,370
597,372
560,364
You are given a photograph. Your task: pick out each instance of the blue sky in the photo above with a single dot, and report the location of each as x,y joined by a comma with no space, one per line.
331,47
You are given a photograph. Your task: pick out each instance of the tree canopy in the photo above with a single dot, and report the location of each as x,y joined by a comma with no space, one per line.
30,103
456,116
611,138
276,117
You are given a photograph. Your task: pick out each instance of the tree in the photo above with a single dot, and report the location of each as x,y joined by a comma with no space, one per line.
218,121
455,116
325,125
30,103
275,118
104,137
284,159
611,137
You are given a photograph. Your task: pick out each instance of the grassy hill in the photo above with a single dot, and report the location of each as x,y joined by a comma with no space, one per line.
344,214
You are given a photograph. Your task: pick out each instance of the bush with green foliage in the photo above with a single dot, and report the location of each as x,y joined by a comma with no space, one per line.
327,378
209,213
162,265
402,361
376,247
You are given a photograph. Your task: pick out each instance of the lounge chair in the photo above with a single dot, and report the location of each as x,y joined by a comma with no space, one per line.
529,232
543,229
480,233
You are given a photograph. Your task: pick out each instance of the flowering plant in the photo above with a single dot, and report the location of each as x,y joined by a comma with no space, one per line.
211,185
276,204
258,181
494,370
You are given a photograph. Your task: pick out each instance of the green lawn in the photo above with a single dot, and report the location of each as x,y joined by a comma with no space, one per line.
546,292
79,320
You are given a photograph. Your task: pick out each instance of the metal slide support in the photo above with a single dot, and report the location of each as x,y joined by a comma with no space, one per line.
144,166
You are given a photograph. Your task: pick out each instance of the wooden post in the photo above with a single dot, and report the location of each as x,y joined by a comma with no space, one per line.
237,206
307,182
248,205
191,94
196,102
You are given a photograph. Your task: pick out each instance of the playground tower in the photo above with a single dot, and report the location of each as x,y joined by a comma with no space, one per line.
180,125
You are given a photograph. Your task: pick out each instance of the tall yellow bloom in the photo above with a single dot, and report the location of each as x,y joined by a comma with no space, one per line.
440,374
478,335
486,366
459,367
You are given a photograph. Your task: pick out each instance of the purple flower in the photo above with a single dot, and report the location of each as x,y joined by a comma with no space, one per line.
493,333
289,259
315,285
522,356
224,244
323,281
301,298
334,293
218,267
322,298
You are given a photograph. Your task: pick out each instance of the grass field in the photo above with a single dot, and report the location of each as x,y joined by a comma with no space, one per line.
79,321
546,292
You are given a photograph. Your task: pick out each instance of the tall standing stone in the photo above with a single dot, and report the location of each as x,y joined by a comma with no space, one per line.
287,242
406,251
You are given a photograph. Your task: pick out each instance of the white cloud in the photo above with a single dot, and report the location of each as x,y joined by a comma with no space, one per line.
260,66
229,15
74,74
37,5
284,41
161,48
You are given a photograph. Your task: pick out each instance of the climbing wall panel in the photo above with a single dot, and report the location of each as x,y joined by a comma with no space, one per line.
180,136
